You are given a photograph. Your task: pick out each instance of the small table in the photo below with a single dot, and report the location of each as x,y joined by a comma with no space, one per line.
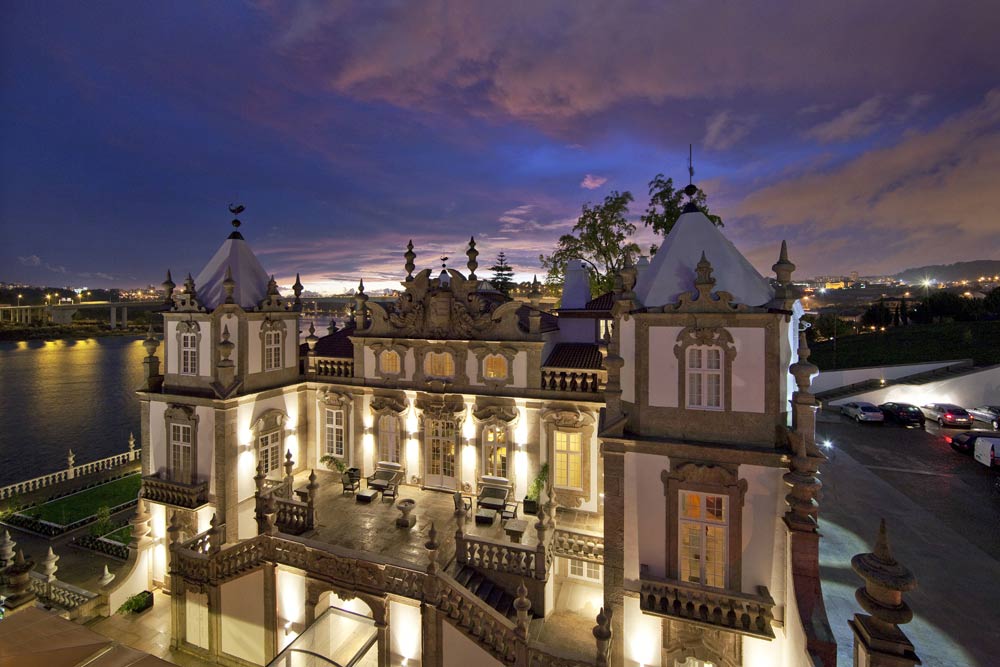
367,495
485,516
515,529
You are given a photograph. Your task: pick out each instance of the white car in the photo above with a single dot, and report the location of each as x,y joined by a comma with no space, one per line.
860,411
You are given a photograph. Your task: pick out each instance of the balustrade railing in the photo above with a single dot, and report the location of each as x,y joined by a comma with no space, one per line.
578,544
732,610
467,612
70,472
495,556
574,379
293,517
337,368
159,490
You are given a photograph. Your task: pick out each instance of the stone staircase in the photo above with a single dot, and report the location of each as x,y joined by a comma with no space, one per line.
485,589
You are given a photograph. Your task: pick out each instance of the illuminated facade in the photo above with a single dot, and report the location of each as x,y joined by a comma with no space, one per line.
680,464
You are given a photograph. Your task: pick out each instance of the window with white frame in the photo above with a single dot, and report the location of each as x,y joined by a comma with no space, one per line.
272,350
580,569
189,354
704,377
269,452
703,529
439,365
568,460
389,439
495,451
180,453
335,432
389,362
442,436
495,367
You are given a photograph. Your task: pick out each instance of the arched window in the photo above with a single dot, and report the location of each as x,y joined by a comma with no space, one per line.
439,365
389,438
389,362
495,367
704,377
495,451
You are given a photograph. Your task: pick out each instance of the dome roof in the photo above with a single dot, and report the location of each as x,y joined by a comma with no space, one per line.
671,272
250,278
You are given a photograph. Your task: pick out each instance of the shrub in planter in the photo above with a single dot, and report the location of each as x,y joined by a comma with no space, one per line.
535,490
333,461
139,602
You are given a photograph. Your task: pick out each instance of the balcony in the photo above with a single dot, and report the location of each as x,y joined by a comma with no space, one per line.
712,607
327,367
187,496
574,379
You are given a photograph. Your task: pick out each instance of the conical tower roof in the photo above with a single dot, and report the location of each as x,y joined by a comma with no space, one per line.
250,277
671,272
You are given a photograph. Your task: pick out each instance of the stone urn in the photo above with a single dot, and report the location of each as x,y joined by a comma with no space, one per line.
406,506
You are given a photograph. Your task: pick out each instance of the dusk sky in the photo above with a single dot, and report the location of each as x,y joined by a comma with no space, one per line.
866,134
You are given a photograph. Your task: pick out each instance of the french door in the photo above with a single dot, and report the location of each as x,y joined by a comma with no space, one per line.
442,438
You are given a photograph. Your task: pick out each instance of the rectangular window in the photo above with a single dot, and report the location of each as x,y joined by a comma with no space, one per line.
390,362
335,433
704,378
443,434
269,452
388,438
272,350
189,354
495,451
703,525
180,453
569,460
439,365
496,367
585,570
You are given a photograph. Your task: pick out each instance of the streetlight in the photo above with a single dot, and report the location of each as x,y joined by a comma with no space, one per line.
19,297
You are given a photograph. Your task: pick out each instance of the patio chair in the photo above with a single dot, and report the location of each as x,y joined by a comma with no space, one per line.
350,484
492,497
391,491
463,502
509,512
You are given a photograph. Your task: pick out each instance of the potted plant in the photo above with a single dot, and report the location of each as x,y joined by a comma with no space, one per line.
535,490
137,604
332,461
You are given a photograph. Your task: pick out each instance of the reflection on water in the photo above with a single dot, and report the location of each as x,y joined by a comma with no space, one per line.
66,394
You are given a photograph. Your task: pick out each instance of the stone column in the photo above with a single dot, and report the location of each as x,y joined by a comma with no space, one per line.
18,575
878,641
270,612
124,317
614,551
214,620
6,550
113,318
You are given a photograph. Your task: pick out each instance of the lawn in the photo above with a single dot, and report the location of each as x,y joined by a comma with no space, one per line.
122,535
979,341
65,511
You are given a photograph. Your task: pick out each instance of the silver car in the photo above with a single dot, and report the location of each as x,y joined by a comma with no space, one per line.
860,411
987,413
947,414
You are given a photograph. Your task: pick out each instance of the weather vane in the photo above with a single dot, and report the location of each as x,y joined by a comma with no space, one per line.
444,259
690,165
236,209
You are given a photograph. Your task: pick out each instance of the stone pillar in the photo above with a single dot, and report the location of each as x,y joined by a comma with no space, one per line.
6,550
113,318
214,620
270,612
602,635
151,364
49,569
70,461
878,641
382,637
614,551
124,317
18,575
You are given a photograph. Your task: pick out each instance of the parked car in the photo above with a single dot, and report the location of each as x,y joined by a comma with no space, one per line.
987,413
861,411
983,443
947,414
903,413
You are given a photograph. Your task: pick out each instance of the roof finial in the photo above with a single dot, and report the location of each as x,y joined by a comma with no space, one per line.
229,284
297,290
690,164
444,262
236,209
472,254
409,255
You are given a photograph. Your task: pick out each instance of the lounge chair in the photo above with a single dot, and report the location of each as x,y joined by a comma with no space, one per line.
492,497
350,485
386,474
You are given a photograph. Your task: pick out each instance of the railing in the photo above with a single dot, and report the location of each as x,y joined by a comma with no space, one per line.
746,614
494,556
293,517
574,379
68,473
178,494
578,544
337,368
468,613
79,603
279,487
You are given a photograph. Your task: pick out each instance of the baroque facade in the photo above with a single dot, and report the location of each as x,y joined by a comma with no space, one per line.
665,430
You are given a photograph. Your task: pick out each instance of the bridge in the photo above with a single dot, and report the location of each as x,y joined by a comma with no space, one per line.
62,313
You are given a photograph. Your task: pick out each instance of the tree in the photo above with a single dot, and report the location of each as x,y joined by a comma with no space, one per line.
503,274
600,240
666,205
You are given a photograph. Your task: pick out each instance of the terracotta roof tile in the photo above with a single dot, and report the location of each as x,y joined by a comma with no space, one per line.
336,345
602,302
576,355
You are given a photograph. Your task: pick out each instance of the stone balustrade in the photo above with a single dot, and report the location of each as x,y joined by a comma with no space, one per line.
71,472
293,517
746,614
494,556
578,544
574,379
335,368
189,496
76,602
471,615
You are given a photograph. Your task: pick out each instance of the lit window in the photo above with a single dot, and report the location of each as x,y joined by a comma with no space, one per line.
569,460
272,350
704,378
495,367
388,438
389,360
585,570
495,451
335,432
269,452
703,527
439,365
180,453
443,434
189,354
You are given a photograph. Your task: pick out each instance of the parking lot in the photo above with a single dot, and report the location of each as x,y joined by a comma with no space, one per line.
943,515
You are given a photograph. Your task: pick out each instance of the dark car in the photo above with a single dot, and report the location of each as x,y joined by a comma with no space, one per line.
903,413
966,442
947,414
987,413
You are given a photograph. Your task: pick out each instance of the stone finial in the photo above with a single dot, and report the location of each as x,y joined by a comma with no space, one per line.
802,370
139,522
215,535
704,272
70,459
6,549
360,307
522,605
258,479
410,257
602,635
289,464
131,442
878,637
472,254
272,286
783,268
229,284
312,338
331,328
189,287
225,348
629,275
168,288
297,290
151,342
18,574
49,567
174,528
432,546
106,578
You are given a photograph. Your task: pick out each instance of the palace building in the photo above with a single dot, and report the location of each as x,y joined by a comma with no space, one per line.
460,478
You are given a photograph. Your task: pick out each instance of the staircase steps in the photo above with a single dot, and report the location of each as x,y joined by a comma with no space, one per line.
486,590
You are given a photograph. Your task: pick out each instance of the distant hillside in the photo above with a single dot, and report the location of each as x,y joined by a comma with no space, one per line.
950,272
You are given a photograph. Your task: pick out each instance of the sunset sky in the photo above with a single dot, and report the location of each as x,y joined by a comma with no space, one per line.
866,134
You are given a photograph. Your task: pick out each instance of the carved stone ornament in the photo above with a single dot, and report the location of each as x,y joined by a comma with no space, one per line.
708,336
334,398
502,413
440,407
686,640
389,404
269,421
568,417
703,299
